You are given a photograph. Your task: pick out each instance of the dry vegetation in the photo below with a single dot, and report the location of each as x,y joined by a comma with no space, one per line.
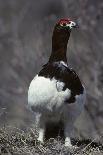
14,141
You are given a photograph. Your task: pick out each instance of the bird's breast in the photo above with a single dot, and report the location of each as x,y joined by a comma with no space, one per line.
47,94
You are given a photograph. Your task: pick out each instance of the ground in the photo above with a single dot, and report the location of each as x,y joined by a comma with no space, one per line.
15,141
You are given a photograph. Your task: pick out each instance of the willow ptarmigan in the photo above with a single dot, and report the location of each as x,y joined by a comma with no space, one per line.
56,94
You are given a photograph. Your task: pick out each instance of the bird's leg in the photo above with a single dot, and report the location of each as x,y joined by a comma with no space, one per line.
41,130
67,129
41,134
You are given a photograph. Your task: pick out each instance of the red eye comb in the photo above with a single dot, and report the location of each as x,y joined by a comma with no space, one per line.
64,21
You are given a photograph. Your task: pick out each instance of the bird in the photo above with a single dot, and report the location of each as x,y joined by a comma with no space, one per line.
56,93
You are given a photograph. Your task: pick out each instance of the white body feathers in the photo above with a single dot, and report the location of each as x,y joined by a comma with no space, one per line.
46,95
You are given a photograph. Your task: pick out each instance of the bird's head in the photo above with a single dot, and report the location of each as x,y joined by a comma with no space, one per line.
62,30
66,24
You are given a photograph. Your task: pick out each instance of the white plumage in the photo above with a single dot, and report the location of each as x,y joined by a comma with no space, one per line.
46,95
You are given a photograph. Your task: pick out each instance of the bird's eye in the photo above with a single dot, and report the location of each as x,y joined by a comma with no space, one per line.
62,24
65,24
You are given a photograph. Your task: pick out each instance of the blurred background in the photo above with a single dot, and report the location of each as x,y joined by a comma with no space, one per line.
25,45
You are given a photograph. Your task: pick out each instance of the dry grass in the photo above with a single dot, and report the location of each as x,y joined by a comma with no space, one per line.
15,141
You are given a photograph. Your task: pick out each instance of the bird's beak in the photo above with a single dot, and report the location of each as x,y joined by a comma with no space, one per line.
76,25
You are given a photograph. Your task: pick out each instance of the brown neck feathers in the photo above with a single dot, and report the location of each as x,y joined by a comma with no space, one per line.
59,45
